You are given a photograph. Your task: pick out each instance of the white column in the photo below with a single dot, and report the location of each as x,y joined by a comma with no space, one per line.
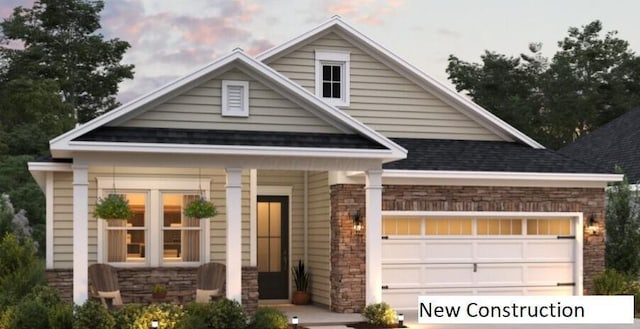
80,233
373,224
234,234
49,219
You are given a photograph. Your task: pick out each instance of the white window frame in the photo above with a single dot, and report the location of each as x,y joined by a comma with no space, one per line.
154,187
334,57
234,112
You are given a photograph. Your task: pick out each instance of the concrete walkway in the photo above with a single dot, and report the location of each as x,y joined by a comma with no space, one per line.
315,317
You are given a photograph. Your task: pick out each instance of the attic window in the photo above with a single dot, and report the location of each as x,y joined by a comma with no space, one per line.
332,76
235,98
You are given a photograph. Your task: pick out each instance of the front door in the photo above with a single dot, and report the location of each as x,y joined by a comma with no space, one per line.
273,247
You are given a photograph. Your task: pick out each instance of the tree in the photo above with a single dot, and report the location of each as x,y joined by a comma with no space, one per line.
622,217
589,81
61,44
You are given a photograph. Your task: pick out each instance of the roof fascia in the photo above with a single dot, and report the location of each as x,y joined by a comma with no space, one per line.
453,98
497,175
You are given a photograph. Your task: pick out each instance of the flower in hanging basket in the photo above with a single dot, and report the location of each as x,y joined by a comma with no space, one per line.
200,208
114,206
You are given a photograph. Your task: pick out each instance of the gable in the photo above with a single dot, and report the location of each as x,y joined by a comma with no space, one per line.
200,108
382,98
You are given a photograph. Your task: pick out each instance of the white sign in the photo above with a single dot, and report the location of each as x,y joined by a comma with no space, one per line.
525,309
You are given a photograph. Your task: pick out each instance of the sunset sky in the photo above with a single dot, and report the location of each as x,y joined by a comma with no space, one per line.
169,39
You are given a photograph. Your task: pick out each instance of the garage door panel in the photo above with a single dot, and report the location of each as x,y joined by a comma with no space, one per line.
496,250
448,275
549,291
446,251
403,276
500,274
550,250
402,251
550,273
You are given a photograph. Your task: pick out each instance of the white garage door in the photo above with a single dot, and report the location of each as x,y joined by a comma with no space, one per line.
424,255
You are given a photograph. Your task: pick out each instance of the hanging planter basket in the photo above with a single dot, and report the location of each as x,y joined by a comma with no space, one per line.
114,206
200,208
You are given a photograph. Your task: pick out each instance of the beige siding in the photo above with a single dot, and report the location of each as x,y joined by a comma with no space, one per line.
319,252
63,209
383,99
199,108
294,179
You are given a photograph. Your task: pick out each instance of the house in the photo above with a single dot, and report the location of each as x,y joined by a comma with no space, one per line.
616,143
295,147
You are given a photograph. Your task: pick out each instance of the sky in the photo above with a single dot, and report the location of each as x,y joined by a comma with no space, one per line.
170,39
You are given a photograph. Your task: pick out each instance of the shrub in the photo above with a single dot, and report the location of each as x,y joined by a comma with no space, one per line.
632,287
61,316
20,270
380,314
266,317
127,315
92,315
168,316
609,282
29,314
219,315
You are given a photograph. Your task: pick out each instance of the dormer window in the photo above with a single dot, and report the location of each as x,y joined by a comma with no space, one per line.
332,76
235,98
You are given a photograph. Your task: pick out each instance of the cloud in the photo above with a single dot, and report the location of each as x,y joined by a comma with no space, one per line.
259,46
370,12
449,33
7,6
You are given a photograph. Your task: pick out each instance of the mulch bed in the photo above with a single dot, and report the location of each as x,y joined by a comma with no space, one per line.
367,325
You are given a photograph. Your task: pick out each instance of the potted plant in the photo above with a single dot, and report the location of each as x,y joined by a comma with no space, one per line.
301,277
159,292
114,206
200,208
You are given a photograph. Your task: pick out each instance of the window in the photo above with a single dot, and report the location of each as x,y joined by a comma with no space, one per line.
551,226
499,226
401,226
448,226
235,98
158,234
332,76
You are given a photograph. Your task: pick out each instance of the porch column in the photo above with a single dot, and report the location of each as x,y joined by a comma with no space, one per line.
234,234
373,224
80,233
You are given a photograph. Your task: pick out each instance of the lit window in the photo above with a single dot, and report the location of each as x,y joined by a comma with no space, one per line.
448,226
181,234
332,76
126,238
552,226
499,226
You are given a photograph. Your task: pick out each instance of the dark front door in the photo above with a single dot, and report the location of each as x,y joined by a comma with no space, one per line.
273,247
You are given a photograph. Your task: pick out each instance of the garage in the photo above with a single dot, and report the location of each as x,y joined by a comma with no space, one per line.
457,253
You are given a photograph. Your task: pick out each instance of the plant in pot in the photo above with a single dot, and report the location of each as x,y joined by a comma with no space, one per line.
200,208
159,292
301,278
114,206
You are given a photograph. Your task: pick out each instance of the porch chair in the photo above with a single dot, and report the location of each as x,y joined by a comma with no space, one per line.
210,282
104,286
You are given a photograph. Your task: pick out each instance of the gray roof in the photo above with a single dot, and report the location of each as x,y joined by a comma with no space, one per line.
615,143
464,155
228,137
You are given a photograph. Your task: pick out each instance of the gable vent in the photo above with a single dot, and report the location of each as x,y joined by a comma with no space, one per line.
235,98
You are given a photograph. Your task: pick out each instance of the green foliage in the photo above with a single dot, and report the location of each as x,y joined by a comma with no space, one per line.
267,317
114,206
159,288
200,208
62,44
622,218
30,314
300,276
61,316
42,309
127,315
92,315
380,314
609,282
168,316
591,79
632,287
20,270
221,314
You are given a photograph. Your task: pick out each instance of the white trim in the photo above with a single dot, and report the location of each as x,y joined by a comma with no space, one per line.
234,234
388,173
373,229
275,190
49,188
455,99
62,145
253,210
579,271
49,166
80,233
235,112
341,58
153,188
305,217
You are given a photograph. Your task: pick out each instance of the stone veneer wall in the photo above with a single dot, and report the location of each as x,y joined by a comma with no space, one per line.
347,275
348,257
141,280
